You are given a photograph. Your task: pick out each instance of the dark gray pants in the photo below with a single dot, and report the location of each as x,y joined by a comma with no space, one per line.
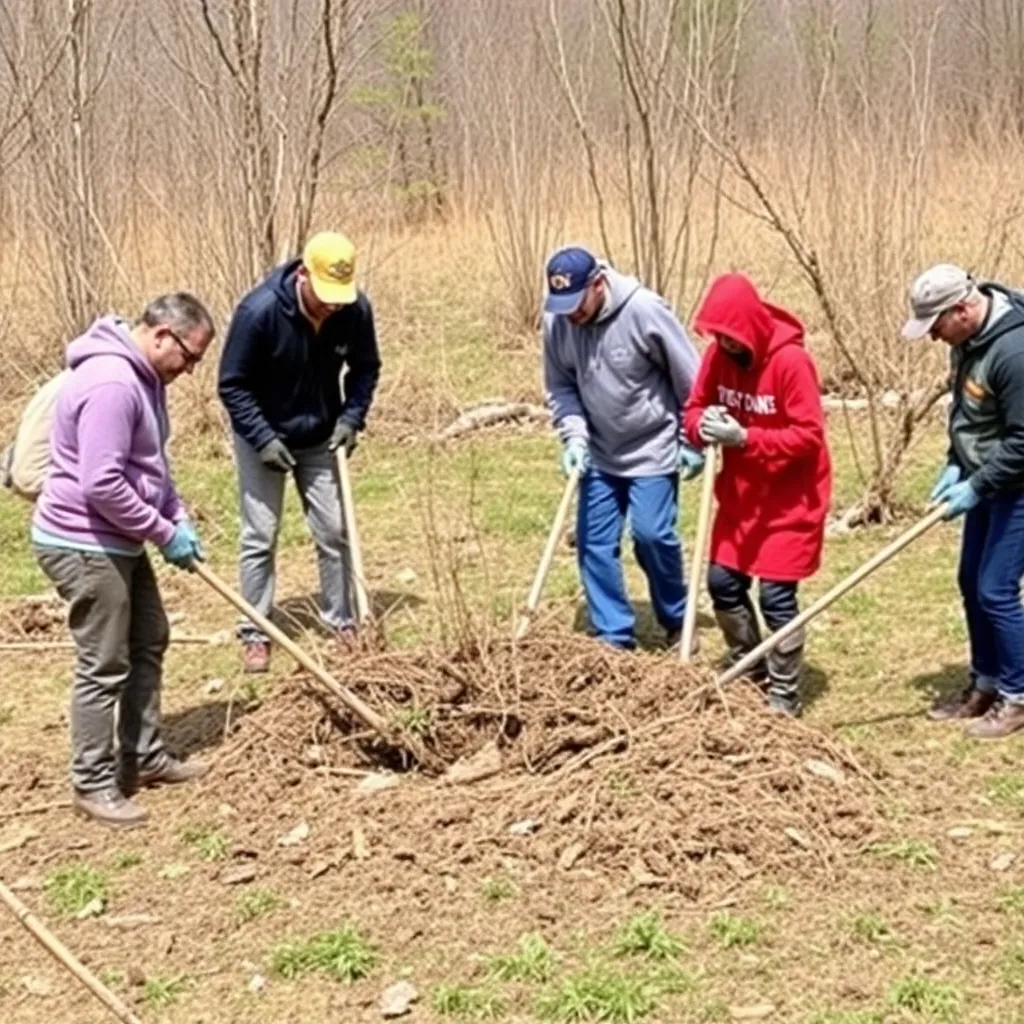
121,631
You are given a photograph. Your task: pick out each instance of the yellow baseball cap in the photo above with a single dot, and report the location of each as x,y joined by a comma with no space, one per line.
330,259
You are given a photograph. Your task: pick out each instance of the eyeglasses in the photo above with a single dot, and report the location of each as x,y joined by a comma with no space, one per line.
191,358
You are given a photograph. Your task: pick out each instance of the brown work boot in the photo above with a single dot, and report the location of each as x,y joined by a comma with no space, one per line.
109,807
256,656
1002,720
171,772
970,703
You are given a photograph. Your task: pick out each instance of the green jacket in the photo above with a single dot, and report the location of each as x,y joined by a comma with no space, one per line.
986,418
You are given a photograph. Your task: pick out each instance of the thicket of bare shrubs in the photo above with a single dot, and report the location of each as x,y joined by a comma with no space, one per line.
829,148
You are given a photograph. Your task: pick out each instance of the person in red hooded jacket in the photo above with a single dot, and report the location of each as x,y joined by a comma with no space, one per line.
757,396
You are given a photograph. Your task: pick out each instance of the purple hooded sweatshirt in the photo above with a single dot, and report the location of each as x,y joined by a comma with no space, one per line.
109,486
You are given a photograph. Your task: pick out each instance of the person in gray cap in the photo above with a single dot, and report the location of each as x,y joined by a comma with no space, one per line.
618,369
983,480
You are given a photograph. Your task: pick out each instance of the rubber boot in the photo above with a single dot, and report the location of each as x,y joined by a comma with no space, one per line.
739,627
785,665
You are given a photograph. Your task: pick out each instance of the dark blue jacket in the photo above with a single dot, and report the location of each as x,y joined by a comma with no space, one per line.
281,378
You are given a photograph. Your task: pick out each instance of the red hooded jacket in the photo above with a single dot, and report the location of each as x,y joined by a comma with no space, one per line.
774,492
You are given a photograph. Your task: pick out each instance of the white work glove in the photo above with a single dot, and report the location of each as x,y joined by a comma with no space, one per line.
717,426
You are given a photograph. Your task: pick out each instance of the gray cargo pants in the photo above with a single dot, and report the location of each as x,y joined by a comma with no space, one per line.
261,493
121,632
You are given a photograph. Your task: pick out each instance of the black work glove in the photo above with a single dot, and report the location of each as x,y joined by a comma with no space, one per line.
275,455
344,434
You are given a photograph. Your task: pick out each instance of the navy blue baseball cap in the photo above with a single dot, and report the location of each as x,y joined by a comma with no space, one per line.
568,273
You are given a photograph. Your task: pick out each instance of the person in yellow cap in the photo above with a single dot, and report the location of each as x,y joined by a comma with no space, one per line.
297,376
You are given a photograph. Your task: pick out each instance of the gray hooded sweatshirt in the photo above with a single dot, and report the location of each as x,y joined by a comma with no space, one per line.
620,382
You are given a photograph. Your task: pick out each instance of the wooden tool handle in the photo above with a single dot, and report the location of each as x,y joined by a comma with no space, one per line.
548,556
748,661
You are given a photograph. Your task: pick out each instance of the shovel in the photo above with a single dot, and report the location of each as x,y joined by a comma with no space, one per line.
351,701
700,550
769,644
355,552
549,554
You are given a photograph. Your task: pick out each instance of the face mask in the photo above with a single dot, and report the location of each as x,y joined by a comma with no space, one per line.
745,358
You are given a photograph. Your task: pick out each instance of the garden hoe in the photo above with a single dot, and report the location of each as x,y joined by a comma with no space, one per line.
767,645
700,552
547,558
351,701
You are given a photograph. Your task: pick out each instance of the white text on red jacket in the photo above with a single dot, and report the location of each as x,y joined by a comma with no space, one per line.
759,405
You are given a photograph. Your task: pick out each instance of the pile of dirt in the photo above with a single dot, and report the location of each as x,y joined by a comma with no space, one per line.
34,619
573,756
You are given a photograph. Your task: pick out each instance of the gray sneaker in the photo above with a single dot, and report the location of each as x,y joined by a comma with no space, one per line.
109,807
787,704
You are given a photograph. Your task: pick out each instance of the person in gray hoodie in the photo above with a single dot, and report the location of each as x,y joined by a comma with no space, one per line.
618,369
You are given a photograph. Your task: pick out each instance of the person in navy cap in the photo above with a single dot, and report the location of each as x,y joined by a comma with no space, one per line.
618,369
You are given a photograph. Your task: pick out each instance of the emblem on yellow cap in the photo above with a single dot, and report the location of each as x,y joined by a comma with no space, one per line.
341,271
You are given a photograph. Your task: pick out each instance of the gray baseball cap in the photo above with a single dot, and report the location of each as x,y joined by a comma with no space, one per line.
939,288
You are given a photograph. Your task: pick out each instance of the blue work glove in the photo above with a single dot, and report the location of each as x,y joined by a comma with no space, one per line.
344,434
183,549
691,461
949,476
719,427
575,456
960,498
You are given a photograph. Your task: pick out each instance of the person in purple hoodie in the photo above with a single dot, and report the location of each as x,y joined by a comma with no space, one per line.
107,493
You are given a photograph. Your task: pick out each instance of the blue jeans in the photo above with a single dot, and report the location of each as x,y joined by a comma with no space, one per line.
652,503
991,566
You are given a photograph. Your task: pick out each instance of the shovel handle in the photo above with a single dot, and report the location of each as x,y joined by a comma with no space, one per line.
355,551
346,696
769,644
700,550
548,556
65,957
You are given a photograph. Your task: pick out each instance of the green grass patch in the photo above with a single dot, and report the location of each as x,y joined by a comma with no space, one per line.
915,853
468,1003
71,889
1011,900
127,859
255,903
498,889
533,960
731,931
599,994
414,720
1011,970
646,936
874,930
932,999
207,842
343,954
158,993
1007,790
